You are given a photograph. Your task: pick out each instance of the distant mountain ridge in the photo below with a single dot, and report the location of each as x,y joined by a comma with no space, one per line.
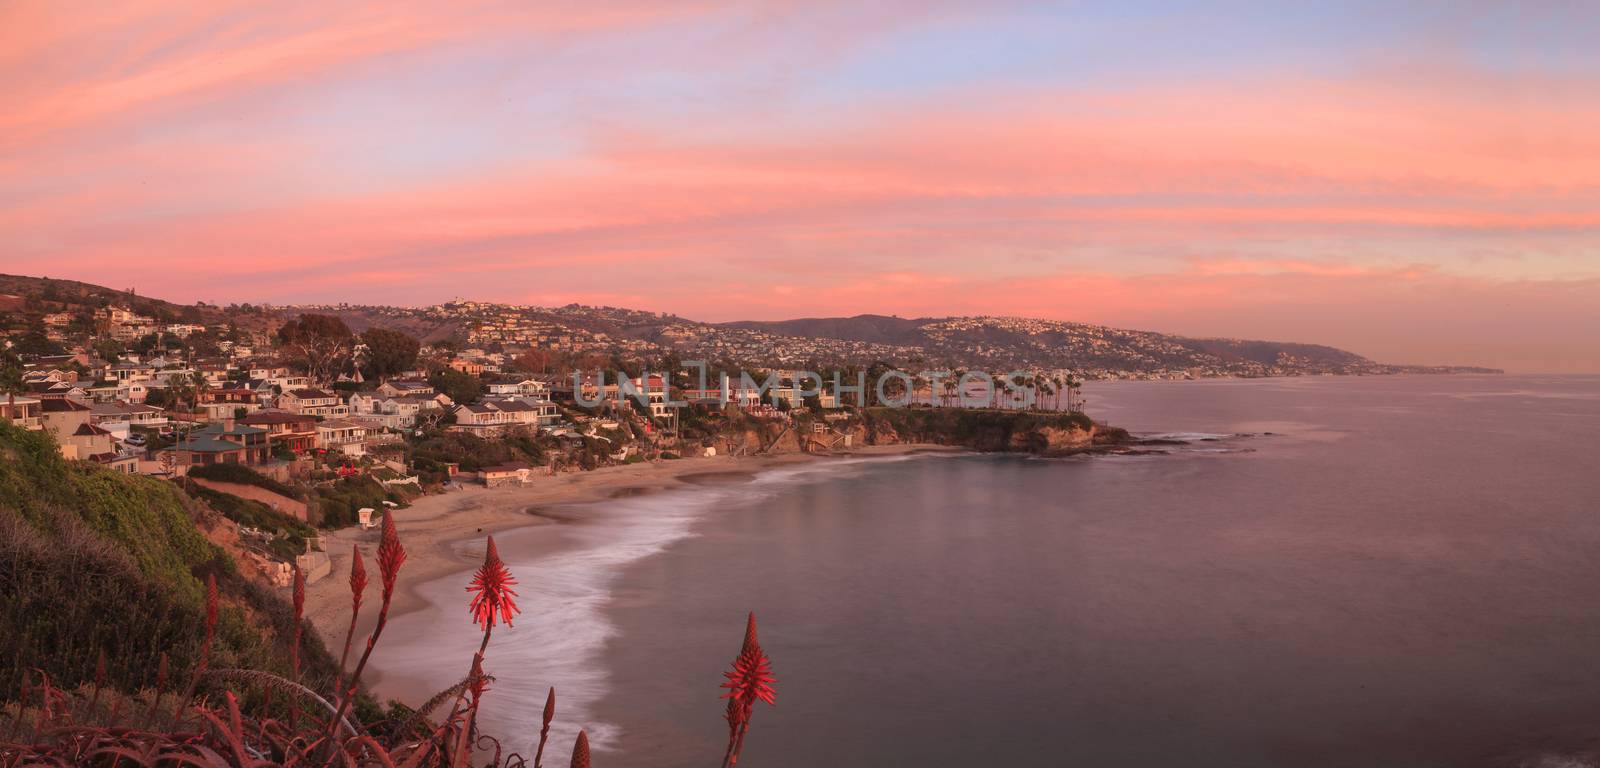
1017,339
988,342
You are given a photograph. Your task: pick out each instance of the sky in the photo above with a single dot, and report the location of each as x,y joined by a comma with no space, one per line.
1415,182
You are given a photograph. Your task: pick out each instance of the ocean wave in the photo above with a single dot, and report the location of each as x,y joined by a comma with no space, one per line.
1186,437
561,636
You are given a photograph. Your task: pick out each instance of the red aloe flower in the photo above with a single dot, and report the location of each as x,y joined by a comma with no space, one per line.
390,556
750,680
751,677
492,593
580,751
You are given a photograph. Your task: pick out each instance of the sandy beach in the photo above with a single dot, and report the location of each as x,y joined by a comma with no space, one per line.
433,525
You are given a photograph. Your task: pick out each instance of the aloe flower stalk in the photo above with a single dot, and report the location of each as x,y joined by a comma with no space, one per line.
493,599
544,730
211,620
299,616
299,599
358,586
749,680
99,680
161,688
391,555
205,646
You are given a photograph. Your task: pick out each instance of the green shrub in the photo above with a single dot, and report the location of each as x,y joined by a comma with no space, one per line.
243,475
92,559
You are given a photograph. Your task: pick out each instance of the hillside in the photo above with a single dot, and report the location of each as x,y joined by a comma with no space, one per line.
93,560
1000,342
45,294
992,343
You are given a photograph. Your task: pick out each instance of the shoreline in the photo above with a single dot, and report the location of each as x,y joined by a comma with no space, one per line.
434,527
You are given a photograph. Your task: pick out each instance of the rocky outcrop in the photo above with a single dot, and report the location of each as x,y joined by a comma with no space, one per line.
1042,434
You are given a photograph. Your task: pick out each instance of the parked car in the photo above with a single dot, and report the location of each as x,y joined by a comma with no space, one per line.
135,440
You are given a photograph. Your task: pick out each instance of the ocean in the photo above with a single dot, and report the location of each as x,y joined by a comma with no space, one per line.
1380,571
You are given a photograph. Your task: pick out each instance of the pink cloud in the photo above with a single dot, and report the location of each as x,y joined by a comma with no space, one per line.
1284,202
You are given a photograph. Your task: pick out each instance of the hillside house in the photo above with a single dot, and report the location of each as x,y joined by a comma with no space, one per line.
313,402
291,431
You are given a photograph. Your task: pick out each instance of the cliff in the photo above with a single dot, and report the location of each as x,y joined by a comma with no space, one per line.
1035,432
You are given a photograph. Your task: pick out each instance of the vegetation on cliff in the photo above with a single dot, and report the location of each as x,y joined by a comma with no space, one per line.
987,429
93,561
252,717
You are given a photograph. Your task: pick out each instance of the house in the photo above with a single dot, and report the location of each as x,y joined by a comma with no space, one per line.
66,418
392,412
103,391
119,416
262,371
524,387
795,397
124,372
48,389
469,367
136,391
506,474
285,383
492,417
405,388
22,411
342,435
256,441
215,370
292,431
363,403
92,443
61,361
656,394
226,402
727,391
587,387
71,421
479,418
198,450
313,402
544,413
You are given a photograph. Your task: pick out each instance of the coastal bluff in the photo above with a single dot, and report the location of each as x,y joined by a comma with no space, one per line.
989,430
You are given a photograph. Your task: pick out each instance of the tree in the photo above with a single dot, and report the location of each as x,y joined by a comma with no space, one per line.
460,387
108,349
321,343
146,344
533,361
35,343
388,352
10,372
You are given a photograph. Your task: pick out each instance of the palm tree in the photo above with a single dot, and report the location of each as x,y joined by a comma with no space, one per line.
1048,385
200,385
